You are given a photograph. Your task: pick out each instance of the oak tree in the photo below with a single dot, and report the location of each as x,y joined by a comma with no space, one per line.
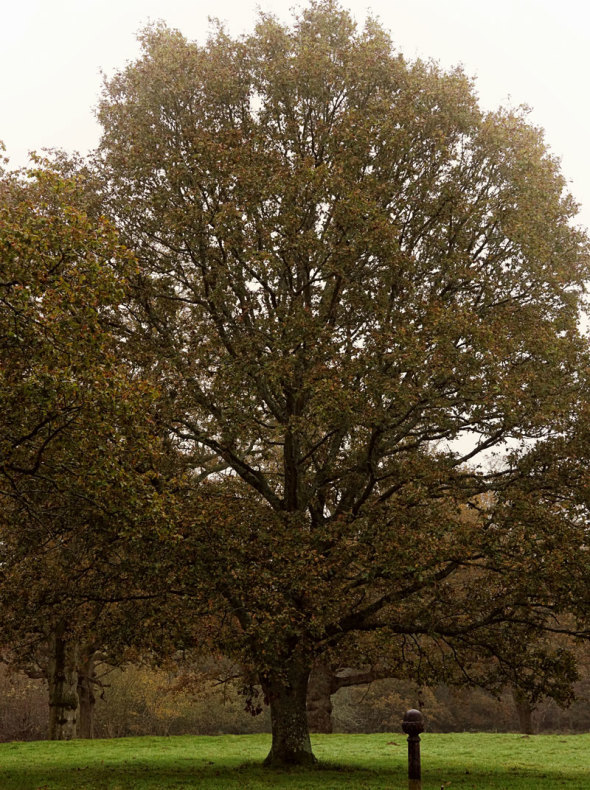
354,284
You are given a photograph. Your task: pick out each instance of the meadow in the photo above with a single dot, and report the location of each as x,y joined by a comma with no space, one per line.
481,761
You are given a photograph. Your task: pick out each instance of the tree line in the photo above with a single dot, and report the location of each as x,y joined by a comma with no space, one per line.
141,700
292,372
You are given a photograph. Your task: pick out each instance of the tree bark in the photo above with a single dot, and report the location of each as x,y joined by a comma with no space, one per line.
524,709
286,693
63,686
319,698
86,696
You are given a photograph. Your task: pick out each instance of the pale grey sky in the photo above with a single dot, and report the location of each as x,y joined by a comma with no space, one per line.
521,51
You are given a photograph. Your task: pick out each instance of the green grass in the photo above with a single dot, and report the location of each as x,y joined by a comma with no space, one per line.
363,762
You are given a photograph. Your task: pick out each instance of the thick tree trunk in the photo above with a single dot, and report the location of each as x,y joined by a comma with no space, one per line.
286,693
86,695
325,680
319,698
524,709
63,686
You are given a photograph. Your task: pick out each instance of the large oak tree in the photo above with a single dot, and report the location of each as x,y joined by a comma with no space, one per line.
354,284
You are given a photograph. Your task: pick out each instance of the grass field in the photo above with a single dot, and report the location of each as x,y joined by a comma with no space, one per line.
363,762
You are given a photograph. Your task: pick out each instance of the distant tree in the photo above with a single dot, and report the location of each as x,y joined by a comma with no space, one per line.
353,285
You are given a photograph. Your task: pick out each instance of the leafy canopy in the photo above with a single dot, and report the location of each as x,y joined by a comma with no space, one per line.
78,452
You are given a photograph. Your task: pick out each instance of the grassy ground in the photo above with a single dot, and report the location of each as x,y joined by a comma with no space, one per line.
359,762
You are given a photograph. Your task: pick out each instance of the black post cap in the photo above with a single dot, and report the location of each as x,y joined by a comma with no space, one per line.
413,722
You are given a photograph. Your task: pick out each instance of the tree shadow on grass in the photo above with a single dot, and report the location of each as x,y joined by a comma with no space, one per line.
195,774
192,773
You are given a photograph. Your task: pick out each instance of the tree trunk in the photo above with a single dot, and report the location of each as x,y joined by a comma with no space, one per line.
86,695
286,693
319,698
325,680
63,686
524,709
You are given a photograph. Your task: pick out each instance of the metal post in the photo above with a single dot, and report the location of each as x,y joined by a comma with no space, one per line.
413,725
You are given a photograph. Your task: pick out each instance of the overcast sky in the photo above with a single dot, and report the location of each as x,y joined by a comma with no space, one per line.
534,52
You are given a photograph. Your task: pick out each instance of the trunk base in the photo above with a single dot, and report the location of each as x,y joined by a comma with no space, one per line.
303,758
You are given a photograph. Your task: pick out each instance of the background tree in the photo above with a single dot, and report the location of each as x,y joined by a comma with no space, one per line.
78,454
353,284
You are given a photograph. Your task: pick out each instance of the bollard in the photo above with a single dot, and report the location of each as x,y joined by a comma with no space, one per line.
413,725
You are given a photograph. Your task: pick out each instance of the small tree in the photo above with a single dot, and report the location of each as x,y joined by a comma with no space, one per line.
353,284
